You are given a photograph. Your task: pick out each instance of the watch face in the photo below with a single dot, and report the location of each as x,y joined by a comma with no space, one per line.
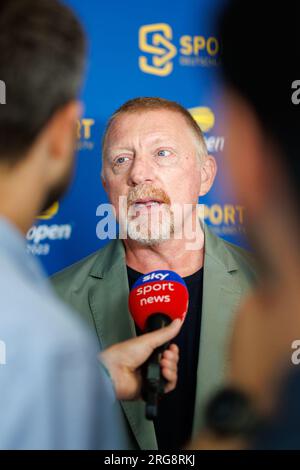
230,413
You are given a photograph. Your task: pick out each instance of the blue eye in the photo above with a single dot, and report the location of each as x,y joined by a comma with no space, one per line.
163,153
121,160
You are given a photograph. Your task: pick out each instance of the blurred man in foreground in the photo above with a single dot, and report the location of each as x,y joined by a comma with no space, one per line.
263,119
54,392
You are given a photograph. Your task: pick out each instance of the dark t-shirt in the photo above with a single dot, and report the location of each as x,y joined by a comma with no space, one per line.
174,423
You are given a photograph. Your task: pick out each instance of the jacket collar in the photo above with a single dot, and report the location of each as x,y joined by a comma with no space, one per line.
114,254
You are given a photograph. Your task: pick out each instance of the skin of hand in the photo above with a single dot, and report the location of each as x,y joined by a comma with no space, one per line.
124,360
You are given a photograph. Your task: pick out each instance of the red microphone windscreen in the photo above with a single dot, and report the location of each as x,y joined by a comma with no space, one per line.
158,292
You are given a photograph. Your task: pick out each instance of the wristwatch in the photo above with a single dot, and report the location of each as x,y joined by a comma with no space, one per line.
230,413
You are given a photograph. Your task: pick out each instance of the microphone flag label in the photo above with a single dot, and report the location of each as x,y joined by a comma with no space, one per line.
158,292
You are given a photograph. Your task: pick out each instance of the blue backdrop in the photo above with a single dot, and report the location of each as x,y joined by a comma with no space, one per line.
136,48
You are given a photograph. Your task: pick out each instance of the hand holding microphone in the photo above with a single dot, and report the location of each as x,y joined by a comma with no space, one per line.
155,300
124,360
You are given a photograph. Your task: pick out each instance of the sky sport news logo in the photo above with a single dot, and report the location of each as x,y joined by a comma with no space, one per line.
39,235
161,48
2,92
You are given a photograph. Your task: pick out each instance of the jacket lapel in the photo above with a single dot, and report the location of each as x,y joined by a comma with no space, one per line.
108,300
221,295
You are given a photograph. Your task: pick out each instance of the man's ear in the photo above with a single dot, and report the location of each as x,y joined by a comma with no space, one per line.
103,181
208,174
62,130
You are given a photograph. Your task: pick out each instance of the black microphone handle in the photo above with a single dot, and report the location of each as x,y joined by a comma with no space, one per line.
153,381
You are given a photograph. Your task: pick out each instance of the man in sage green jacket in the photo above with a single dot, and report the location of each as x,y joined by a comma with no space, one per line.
154,155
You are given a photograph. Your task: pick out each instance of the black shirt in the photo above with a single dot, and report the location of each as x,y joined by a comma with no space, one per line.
174,423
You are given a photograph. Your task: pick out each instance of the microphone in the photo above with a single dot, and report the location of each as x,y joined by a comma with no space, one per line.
155,300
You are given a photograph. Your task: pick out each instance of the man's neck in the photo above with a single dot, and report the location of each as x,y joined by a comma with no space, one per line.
170,254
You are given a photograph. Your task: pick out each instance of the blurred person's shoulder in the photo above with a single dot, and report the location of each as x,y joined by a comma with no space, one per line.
51,356
37,319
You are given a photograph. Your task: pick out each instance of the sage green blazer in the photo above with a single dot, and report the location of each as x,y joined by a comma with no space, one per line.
97,287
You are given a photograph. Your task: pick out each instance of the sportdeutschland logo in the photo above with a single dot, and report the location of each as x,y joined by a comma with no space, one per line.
156,43
155,39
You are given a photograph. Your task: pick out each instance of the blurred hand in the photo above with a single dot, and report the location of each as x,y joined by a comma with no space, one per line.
124,360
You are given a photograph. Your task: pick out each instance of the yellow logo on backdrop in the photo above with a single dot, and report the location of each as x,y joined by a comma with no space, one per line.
204,117
155,39
227,214
49,213
194,45
85,134
84,128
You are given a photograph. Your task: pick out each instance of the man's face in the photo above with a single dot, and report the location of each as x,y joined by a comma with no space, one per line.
151,159
63,147
247,156
61,186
